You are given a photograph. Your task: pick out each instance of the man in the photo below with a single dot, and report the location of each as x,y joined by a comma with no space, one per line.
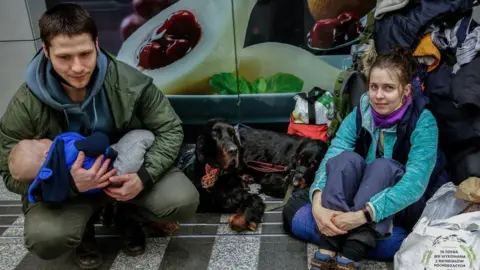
72,85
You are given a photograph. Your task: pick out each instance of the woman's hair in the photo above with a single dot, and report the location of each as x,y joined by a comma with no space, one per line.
400,60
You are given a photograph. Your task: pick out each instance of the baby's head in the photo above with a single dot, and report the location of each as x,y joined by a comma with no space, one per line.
26,159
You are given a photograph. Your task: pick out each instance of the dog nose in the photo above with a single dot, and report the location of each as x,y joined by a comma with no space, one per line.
232,150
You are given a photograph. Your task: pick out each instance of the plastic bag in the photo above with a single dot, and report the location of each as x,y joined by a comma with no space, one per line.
442,238
315,132
186,160
312,114
323,110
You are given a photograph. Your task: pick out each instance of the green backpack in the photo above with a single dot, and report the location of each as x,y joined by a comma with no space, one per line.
349,87
350,84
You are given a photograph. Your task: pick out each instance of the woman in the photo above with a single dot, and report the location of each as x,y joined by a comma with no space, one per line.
378,167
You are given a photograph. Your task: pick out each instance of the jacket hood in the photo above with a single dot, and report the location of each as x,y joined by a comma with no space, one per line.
47,88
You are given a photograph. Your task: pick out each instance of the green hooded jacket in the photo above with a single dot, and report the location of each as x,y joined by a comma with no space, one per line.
135,102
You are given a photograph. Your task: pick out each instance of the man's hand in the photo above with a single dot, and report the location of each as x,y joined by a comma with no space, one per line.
93,178
131,187
323,217
349,221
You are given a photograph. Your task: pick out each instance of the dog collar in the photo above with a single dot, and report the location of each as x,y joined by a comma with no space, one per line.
210,177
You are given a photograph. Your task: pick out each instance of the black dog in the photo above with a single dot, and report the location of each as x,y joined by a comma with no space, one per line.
228,158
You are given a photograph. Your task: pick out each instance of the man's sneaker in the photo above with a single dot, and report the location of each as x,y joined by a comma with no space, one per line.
87,254
344,264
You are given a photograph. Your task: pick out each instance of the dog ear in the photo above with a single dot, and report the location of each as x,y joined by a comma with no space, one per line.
301,146
200,149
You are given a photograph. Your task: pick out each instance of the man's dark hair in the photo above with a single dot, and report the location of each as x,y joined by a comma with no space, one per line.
66,19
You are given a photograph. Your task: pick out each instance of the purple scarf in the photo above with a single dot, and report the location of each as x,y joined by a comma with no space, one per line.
389,120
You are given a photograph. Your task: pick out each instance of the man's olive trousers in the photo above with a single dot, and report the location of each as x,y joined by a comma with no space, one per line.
50,231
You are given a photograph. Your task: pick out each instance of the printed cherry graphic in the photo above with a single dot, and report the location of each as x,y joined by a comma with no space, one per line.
329,33
143,11
130,24
150,8
322,35
178,35
350,26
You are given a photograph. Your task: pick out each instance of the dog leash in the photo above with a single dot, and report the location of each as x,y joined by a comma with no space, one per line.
272,168
288,194
266,167
258,165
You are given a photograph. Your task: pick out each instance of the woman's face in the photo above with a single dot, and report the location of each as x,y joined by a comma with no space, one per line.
385,90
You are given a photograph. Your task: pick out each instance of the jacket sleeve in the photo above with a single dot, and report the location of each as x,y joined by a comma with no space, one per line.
420,164
344,141
15,125
158,116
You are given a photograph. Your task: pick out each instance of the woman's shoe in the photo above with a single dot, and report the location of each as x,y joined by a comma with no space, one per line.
340,263
322,261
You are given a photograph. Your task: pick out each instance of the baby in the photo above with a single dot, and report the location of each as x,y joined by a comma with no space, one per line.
31,152
46,164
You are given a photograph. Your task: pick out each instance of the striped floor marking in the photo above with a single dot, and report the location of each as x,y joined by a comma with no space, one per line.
150,260
235,252
12,251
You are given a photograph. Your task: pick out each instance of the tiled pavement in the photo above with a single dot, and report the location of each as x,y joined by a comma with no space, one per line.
204,242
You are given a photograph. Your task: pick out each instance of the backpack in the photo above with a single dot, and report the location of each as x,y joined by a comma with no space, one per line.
349,87
351,83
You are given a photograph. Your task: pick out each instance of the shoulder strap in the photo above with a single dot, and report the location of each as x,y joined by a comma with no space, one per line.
338,103
363,138
311,97
338,91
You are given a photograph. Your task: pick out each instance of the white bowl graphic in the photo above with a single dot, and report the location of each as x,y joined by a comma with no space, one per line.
270,58
214,52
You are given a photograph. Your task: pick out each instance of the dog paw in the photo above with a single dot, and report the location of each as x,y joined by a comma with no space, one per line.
168,228
238,223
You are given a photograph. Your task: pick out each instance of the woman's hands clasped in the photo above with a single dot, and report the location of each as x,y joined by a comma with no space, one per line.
323,217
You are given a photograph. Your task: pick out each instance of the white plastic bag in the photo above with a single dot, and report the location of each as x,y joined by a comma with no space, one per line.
323,110
442,239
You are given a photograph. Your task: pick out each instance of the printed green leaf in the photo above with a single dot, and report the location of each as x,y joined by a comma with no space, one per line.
244,86
226,84
260,86
284,83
